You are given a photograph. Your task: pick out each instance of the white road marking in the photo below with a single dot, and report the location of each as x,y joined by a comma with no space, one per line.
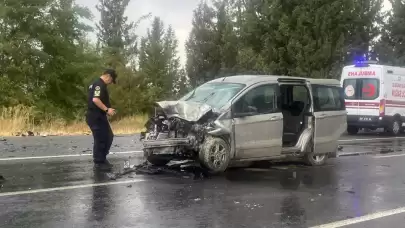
390,156
361,219
369,139
67,188
140,151
67,155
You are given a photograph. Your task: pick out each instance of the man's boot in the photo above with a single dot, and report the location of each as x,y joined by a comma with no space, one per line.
105,166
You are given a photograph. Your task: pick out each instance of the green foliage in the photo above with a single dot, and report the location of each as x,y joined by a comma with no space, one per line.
158,63
47,60
391,47
40,59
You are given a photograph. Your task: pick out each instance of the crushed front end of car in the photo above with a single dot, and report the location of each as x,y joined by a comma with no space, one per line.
182,130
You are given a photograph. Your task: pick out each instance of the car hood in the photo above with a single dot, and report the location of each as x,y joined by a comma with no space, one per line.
186,110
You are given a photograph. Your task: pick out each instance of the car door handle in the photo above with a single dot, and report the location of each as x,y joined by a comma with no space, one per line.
322,116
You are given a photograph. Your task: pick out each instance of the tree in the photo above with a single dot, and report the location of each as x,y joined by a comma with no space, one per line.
42,58
159,64
391,47
226,40
366,22
203,56
116,34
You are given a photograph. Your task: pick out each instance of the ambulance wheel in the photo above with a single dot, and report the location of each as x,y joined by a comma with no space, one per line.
352,130
395,127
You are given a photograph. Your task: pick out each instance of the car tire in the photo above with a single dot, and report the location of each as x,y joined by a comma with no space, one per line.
395,127
215,155
312,159
351,130
157,160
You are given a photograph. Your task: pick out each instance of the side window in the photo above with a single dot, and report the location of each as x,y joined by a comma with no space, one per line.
259,100
328,98
300,93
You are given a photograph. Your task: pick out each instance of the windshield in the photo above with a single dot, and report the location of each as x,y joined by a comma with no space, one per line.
361,88
214,94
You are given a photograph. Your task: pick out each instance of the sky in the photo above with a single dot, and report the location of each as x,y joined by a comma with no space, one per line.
178,13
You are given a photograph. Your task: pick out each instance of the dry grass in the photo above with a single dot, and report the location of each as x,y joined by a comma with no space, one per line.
19,120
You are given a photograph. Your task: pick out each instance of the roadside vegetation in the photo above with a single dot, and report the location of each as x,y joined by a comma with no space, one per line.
47,59
18,120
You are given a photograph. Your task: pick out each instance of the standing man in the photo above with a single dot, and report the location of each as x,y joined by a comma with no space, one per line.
99,108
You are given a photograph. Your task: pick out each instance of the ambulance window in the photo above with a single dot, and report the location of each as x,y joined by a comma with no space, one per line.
361,88
349,86
369,89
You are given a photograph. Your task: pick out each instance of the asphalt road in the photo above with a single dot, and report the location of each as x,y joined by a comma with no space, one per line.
49,182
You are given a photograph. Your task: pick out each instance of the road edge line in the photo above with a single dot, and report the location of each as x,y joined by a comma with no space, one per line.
35,191
66,155
361,219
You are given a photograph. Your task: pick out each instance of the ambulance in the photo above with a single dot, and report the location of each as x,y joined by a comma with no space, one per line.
374,97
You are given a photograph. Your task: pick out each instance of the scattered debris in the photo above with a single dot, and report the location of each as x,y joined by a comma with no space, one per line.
185,169
340,148
129,186
253,206
112,176
2,139
197,199
351,192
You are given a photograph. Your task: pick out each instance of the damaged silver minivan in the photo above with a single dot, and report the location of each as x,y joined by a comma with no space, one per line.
247,118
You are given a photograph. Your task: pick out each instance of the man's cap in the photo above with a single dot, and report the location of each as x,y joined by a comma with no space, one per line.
112,73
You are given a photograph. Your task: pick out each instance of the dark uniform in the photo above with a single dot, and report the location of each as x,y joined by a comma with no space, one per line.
98,122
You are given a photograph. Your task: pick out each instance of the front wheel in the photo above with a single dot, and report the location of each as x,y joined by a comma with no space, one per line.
215,155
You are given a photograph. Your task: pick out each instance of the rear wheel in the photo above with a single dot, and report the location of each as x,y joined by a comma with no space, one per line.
395,126
352,130
313,159
215,155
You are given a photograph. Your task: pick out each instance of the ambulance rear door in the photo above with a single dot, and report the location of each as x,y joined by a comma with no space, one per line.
362,89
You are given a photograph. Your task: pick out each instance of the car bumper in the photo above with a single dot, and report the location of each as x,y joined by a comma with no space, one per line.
147,144
368,121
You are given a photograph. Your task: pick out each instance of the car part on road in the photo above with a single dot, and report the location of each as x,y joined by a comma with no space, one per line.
182,168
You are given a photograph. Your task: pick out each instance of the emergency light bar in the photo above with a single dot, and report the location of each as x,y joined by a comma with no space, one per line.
364,63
